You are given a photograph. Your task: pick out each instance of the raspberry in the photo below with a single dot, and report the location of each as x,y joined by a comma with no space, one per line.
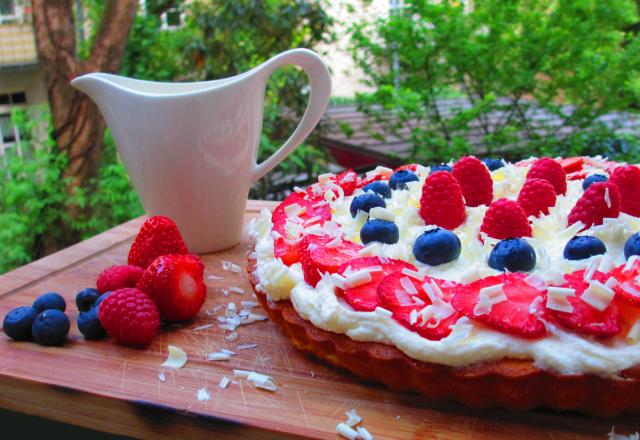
393,296
514,315
475,180
536,197
548,169
442,203
601,200
364,297
627,178
584,318
129,316
158,236
117,277
505,219
316,258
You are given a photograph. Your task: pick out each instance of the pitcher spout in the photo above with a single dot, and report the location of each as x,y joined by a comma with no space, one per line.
95,85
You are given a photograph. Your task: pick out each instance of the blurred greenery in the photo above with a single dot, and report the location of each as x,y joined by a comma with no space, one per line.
573,60
218,39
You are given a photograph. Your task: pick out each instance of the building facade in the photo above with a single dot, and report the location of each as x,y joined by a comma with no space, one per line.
21,81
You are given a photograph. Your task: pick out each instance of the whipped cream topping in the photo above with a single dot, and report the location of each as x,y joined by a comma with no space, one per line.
470,341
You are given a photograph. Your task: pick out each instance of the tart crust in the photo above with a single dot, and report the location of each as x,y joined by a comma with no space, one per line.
512,384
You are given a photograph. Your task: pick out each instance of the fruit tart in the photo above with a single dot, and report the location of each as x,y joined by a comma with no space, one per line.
514,285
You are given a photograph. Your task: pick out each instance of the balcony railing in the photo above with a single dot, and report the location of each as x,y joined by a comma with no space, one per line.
17,40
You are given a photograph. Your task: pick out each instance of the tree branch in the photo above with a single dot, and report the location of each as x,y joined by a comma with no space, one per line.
111,38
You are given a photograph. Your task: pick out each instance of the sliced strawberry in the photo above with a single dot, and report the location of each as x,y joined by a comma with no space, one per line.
393,296
317,258
372,178
514,315
628,287
571,164
410,166
364,297
347,180
580,175
584,318
313,205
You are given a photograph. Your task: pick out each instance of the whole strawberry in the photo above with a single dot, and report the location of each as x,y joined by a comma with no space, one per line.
601,200
117,277
505,219
475,180
129,316
536,197
176,284
158,236
442,203
550,170
627,178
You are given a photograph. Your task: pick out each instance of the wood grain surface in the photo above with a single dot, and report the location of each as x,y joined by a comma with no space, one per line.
104,386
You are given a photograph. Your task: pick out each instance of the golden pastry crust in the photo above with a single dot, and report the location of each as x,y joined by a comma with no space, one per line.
508,383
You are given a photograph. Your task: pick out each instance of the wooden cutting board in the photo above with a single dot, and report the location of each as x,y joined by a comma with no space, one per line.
104,386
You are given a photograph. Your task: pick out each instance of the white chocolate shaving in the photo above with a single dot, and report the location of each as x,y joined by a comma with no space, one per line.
597,295
634,333
346,431
382,214
488,297
557,299
203,395
176,357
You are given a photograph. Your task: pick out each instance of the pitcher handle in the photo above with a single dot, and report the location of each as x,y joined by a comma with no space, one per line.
320,83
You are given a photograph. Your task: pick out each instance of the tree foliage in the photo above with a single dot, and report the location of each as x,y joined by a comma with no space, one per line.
537,74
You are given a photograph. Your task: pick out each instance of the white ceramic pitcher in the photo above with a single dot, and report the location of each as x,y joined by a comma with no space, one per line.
190,148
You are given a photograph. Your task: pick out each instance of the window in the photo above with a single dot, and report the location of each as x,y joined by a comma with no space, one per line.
7,132
13,98
172,19
8,7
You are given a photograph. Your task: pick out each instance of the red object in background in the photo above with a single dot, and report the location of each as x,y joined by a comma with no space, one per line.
351,159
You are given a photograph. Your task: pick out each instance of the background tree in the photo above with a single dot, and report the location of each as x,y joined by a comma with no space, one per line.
77,126
39,195
537,75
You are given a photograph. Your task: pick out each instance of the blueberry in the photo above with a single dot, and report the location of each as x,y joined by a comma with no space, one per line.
364,202
584,246
632,246
89,324
379,230
17,323
49,300
514,255
441,167
86,298
399,179
493,164
437,246
101,298
379,187
593,179
50,327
